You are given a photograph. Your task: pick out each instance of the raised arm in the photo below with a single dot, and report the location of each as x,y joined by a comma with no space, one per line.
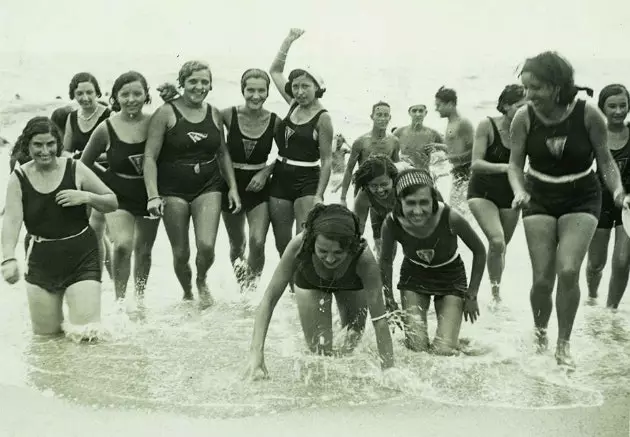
368,271
482,139
276,71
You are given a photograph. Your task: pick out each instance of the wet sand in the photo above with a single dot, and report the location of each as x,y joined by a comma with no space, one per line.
25,412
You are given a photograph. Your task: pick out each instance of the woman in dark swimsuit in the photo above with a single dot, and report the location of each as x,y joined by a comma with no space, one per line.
489,192
328,258
614,101
250,138
561,196
122,139
375,183
304,138
185,161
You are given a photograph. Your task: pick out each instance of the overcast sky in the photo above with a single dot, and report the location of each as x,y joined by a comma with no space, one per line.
380,28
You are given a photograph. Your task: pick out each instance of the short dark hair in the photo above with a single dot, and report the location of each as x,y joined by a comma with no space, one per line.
510,95
80,78
124,79
611,90
319,92
446,95
380,103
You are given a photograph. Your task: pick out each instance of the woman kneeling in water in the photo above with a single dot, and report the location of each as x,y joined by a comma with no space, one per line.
62,257
428,231
328,258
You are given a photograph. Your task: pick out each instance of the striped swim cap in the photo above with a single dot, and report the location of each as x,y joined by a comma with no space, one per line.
411,177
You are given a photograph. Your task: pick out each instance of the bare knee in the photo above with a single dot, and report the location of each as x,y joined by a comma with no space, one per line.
256,246
496,244
568,275
543,284
205,250
621,265
181,255
123,248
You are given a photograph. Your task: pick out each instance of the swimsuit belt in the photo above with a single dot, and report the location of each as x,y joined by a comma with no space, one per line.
242,166
298,163
37,239
558,179
433,266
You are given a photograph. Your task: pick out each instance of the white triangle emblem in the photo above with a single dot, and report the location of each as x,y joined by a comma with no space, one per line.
556,146
197,136
426,255
288,132
248,147
138,162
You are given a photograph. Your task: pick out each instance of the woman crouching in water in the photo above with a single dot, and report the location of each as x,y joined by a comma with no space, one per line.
428,231
328,258
62,257
375,182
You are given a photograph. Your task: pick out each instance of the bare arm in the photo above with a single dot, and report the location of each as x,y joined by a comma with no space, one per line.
223,154
67,138
357,147
518,136
467,133
386,258
99,195
461,227
598,134
13,217
278,283
276,71
361,209
482,138
226,116
396,152
96,145
367,270
155,138
325,139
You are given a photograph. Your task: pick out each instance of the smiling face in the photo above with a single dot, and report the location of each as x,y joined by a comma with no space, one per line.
131,98
542,95
43,148
417,207
381,186
329,252
255,92
197,86
85,95
616,109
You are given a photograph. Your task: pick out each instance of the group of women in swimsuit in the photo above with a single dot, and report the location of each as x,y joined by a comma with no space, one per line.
121,170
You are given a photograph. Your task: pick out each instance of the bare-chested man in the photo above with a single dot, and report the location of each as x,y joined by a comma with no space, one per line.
459,139
378,140
417,141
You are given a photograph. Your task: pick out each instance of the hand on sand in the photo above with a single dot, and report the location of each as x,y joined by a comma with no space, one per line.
295,33
258,181
521,199
168,92
11,271
68,198
256,369
155,207
471,309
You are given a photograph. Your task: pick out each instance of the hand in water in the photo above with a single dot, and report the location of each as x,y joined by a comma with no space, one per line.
521,199
155,207
295,33
68,198
256,368
471,309
11,272
258,181
168,92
